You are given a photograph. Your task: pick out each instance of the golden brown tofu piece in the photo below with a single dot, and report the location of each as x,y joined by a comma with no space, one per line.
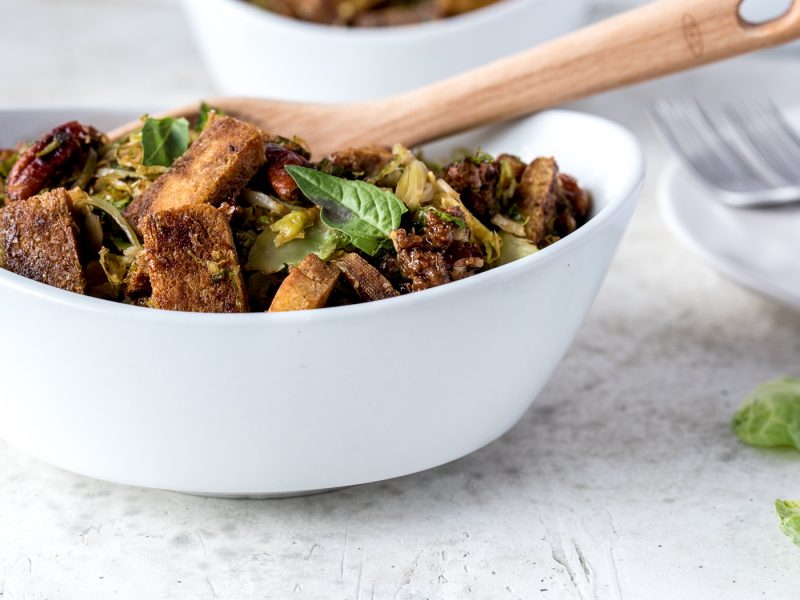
308,285
38,241
192,262
213,170
538,198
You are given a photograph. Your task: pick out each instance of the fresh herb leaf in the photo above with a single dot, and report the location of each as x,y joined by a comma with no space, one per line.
205,111
770,415
164,140
789,517
364,212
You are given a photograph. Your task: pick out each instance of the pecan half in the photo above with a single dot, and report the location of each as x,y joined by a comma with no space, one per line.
53,156
282,183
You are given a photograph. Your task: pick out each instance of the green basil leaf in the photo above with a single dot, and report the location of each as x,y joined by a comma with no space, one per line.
770,415
202,119
164,140
365,212
789,517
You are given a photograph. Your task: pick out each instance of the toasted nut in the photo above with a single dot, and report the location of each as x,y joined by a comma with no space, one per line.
282,183
54,155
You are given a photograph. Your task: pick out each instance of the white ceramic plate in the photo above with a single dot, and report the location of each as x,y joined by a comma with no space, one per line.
756,247
265,404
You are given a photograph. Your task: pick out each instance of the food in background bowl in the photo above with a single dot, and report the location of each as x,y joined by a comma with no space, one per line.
239,220
250,51
371,13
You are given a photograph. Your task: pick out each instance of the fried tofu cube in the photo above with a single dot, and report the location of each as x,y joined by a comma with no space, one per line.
308,285
213,170
38,241
192,261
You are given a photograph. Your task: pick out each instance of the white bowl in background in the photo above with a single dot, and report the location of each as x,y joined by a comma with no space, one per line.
281,403
253,52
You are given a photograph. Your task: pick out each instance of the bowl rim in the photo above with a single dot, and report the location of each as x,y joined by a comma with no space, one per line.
13,283
501,9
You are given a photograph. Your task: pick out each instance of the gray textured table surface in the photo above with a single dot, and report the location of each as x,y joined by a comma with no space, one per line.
622,481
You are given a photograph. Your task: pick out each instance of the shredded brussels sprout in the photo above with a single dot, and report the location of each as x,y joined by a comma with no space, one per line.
120,176
293,225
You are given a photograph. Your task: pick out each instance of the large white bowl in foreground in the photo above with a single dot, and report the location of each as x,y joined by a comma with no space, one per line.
253,52
282,403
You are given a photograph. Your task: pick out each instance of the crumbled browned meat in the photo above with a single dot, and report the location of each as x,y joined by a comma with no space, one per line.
191,260
58,154
38,241
476,184
409,14
359,163
365,279
282,183
422,269
438,253
213,170
308,285
537,198
463,259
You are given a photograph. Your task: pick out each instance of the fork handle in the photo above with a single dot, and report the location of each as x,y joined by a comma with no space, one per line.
662,37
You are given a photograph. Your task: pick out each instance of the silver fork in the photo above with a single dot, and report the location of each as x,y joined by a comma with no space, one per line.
747,152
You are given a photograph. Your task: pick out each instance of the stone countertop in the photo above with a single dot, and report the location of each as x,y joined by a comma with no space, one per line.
623,481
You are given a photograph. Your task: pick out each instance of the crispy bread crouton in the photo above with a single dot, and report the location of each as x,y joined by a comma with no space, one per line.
307,286
38,241
192,262
213,170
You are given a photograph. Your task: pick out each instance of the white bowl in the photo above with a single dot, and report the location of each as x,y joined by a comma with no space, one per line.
292,402
253,52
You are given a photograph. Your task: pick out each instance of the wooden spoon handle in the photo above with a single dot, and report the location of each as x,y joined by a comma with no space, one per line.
660,38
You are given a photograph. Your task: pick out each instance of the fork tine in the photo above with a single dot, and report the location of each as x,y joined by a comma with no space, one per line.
763,139
738,154
706,149
774,115
756,145
778,134
676,127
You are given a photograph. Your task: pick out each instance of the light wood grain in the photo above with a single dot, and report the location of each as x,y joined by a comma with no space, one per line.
663,37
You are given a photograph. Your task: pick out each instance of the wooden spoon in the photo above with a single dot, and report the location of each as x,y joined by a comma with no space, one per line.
662,37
